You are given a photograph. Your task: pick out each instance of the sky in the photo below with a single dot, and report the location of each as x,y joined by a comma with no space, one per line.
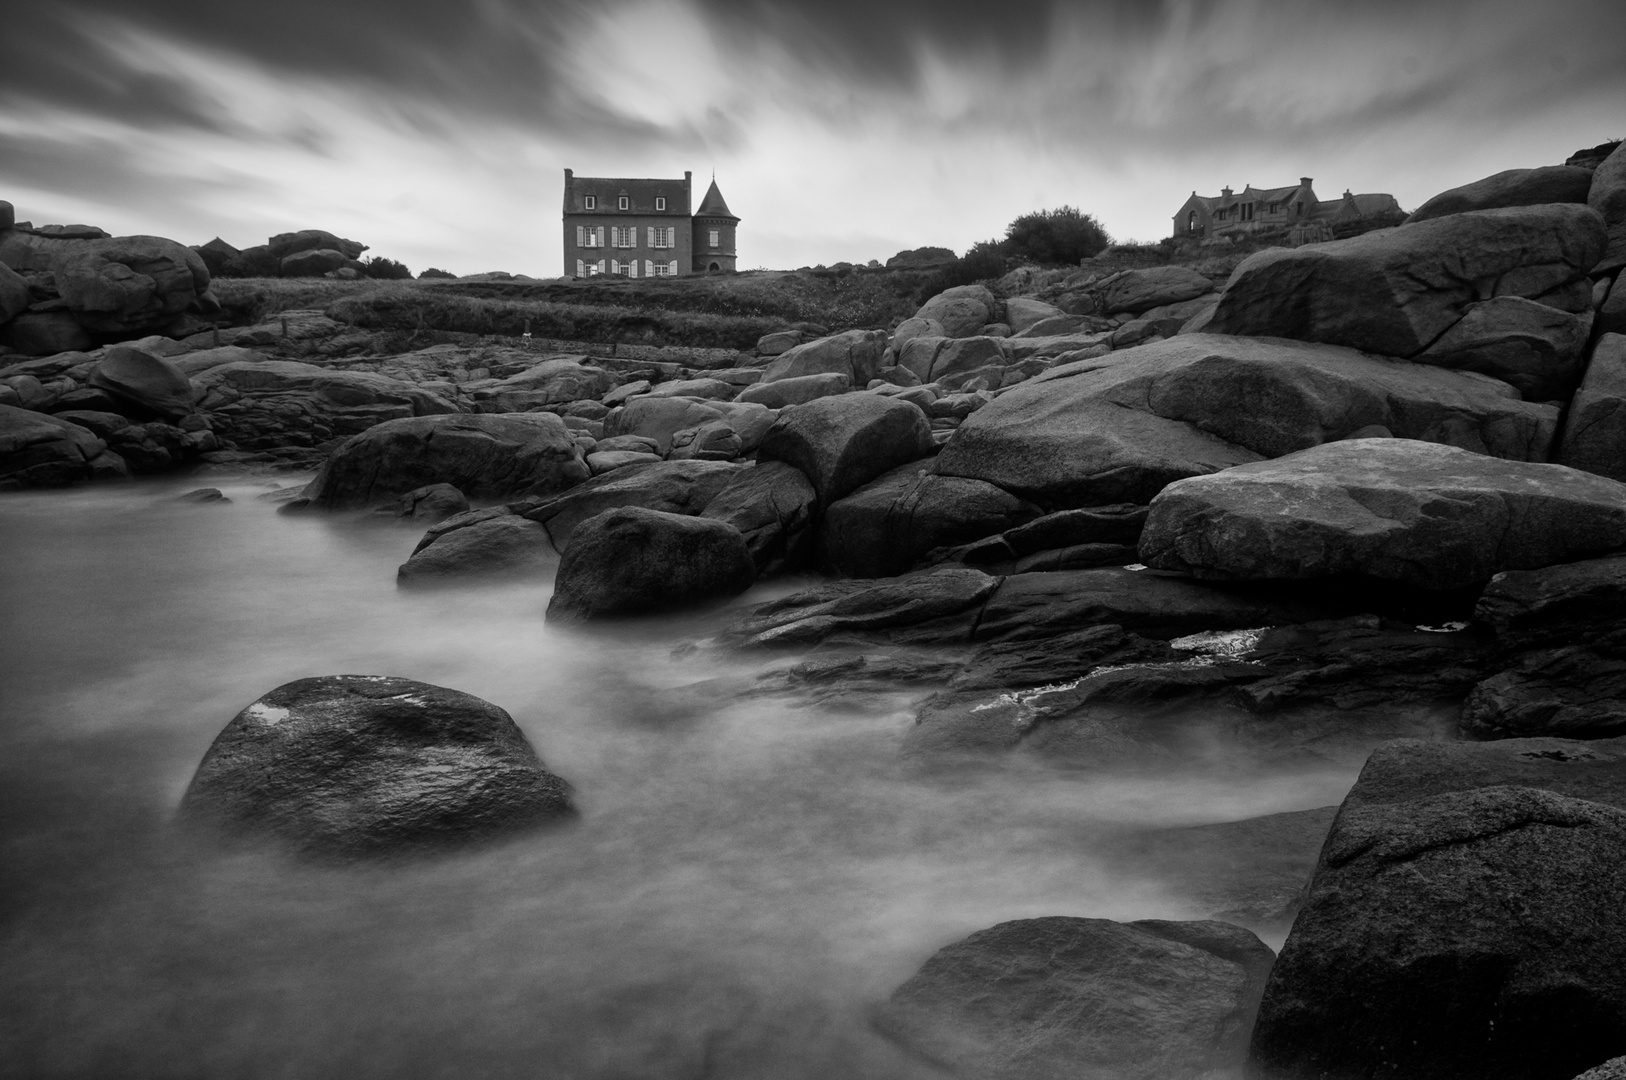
437,131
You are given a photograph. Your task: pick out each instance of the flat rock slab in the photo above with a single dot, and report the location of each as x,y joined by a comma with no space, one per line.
930,606
370,765
1067,997
1460,933
485,456
1121,427
1392,509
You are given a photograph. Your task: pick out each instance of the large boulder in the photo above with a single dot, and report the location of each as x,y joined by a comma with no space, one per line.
1120,428
853,353
1594,437
372,765
1024,312
272,404
843,442
672,487
1535,348
1461,920
149,383
1429,516
1555,604
218,256
1571,692
483,456
1064,997
14,298
772,505
631,561
45,333
797,390
1394,291
310,263
285,244
1514,187
554,381
935,359
1135,291
659,419
130,283
884,527
962,311
42,451
1608,197
479,545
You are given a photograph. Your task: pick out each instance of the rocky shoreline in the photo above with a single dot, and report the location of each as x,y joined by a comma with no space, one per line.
1363,490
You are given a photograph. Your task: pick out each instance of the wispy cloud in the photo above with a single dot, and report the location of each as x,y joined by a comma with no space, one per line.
436,130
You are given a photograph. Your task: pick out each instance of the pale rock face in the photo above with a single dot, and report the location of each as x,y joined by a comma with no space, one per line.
962,311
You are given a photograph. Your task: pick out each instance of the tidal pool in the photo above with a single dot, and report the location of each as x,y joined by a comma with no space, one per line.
749,875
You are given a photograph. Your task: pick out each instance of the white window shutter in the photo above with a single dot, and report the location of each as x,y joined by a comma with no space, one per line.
601,266
598,236
632,268
649,268
581,271
672,269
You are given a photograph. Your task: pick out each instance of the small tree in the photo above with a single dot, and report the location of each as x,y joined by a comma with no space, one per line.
433,272
386,269
1059,237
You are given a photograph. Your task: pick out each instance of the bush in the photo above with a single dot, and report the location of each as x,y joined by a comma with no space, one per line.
433,272
1060,237
382,269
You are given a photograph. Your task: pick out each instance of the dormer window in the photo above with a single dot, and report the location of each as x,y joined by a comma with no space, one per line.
589,202
660,202
621,203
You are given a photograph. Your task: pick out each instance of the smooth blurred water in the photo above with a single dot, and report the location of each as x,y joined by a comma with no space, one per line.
748,877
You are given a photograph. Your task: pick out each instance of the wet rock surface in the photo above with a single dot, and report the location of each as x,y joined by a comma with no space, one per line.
1452,925
364,765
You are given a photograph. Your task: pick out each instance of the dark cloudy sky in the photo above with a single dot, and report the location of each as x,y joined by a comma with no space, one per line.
437,130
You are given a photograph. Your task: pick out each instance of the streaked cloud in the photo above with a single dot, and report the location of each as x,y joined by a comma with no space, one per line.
436,130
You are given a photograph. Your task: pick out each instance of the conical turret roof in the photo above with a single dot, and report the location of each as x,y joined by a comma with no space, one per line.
713,205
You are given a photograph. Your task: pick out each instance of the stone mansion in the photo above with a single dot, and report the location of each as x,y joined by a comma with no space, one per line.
644,228
1295,208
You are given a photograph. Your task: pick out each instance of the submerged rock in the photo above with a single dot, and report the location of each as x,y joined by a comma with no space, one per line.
1063,997
371,765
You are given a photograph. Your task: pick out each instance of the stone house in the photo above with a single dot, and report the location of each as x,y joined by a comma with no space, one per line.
644,228
1293,208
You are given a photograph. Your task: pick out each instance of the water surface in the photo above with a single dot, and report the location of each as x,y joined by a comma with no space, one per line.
749,874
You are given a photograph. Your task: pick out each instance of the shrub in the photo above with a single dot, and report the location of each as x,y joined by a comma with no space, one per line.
434,272
1059,237
382,269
